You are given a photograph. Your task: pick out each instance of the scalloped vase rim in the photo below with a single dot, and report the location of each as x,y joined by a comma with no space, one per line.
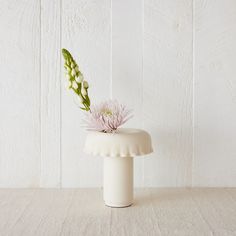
125,142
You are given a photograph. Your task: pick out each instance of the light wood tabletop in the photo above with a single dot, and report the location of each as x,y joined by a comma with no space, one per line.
162,211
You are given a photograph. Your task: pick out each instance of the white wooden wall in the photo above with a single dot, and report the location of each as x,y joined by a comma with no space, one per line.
215,93
173,62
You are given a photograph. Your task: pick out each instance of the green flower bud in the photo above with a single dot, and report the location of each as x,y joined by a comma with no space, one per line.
67,67
77,69
85,84
81,99
73,73
72,64
83,91
79,79
74,85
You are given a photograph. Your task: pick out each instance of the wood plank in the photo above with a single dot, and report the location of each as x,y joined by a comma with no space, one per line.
20,94
167,91
86,33
87,215
53,221
218,209
34,214
215,93
13,204
45,213
127,65
177,213
139,219
50,93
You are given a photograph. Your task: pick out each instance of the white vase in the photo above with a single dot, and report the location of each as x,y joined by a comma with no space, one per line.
118,150
118,181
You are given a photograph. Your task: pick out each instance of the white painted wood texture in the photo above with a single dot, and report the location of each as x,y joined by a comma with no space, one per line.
171,61
50,93
20,94
165,212
127,64
167,91
215,93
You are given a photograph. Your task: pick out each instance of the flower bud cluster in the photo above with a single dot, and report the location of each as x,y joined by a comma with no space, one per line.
76,80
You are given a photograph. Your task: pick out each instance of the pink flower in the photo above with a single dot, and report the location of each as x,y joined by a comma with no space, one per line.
107,116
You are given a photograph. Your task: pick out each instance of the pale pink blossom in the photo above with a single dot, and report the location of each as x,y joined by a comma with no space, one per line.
107,116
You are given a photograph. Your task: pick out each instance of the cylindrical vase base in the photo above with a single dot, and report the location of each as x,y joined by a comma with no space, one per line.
118,181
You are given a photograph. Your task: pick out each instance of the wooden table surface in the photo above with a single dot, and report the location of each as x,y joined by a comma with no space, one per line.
162,211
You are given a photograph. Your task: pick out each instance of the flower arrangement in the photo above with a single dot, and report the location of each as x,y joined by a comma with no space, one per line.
105,117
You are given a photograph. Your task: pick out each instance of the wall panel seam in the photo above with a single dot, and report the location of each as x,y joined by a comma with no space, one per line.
142,83
193,91
111,91
40,88
60,57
